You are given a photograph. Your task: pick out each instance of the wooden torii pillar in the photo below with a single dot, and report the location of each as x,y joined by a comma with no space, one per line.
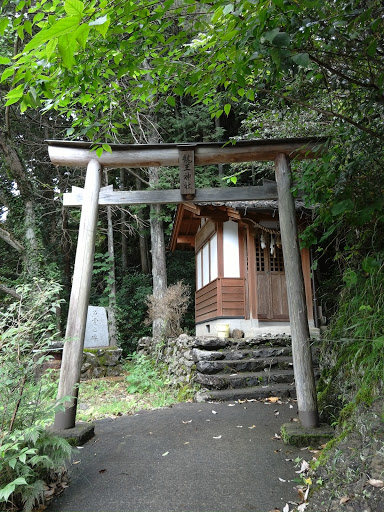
79,154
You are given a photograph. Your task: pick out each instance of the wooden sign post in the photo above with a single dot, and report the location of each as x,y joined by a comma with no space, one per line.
187,170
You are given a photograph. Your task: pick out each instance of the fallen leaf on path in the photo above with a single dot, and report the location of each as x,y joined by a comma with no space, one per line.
304,467
214,412
164,454
253,426
231,405
275,510
276,436
187,442
277,451
239,426
185,422
102,471
216,437
302,507
376,483
286,508
300,492
344,499
282,479
76,462
273,399
79,447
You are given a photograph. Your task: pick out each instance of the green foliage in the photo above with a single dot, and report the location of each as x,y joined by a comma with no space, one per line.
148,378
132,310
29,460
354,343
145,375
29,456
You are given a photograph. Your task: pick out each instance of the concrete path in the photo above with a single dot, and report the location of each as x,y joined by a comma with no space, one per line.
205,457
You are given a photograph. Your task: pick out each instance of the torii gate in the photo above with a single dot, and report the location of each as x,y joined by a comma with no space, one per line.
281,151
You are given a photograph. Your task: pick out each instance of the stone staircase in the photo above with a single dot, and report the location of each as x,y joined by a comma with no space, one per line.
239,369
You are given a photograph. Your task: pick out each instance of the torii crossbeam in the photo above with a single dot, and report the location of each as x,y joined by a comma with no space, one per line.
281,151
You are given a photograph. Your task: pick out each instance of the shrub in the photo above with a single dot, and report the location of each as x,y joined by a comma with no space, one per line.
171,308
30,457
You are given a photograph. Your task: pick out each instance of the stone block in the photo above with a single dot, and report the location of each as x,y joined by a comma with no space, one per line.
77,436
211,342
295,434
96,329
237,334
206,355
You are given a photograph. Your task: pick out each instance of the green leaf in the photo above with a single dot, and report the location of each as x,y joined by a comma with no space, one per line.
301,59
228,8
270,35
3,25
5,60
63,27
74,7
227,108
38,17
342,207
103,28
107,147
281,39
67,46
50,47
14,95
6,491
28,27
81,34
99,152
171,101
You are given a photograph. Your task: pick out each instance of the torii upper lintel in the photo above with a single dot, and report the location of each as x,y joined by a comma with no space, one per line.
79,154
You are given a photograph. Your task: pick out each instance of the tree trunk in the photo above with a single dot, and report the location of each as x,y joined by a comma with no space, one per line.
112,276
143,241
32,245
123,219
159,269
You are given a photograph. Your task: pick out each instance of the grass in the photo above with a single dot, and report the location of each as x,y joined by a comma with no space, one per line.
108,397
137,388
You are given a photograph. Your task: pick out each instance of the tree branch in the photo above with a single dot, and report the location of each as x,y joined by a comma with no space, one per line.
9,291
343,76
11,240
328,113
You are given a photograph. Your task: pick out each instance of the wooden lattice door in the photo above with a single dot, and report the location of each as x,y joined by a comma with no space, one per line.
272,303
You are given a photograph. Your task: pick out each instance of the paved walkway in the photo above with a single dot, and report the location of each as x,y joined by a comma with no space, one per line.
205,457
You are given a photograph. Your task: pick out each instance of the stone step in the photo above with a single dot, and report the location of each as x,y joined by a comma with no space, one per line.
244,365
245,379
214,343
250,393
262,351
